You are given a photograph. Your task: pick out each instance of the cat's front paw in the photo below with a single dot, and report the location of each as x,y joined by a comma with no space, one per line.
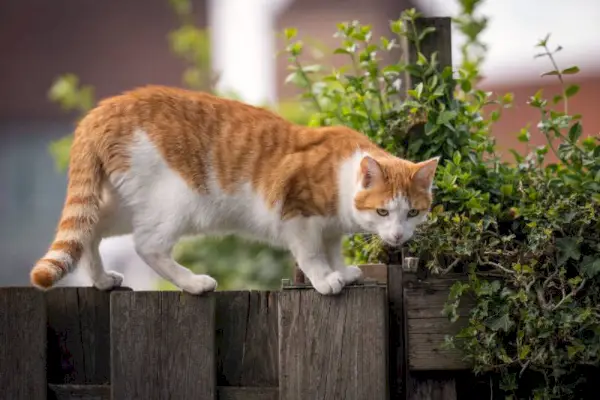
351,274
199,284
332,283
109,280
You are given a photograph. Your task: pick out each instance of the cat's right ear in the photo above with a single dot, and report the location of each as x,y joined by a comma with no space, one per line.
370,171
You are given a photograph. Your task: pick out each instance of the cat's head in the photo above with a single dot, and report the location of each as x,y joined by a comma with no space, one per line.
394,196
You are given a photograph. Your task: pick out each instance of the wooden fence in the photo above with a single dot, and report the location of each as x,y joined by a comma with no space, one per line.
377,340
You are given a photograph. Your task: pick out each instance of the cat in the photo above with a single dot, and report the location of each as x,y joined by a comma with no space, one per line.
163,162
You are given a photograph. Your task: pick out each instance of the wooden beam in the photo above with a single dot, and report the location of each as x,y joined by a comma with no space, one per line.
333,347
22,344
162,346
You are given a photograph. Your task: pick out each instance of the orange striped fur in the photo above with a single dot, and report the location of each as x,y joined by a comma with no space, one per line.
222,157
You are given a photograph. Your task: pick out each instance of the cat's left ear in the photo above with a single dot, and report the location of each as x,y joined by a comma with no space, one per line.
425,172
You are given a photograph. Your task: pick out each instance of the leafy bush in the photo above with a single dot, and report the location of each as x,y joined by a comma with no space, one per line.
527,234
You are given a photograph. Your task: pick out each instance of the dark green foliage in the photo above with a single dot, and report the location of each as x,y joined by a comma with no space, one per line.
527,233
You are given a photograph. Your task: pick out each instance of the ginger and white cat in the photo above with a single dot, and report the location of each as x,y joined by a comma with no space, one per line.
163,162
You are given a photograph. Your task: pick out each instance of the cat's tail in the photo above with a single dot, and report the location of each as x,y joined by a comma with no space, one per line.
79,216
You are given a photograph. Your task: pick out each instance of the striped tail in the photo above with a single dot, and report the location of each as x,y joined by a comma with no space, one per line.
78,220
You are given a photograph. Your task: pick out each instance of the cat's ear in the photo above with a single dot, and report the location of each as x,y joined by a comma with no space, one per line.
425,172
370,172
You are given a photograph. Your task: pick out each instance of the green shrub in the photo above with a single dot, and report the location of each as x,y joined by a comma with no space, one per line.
526,233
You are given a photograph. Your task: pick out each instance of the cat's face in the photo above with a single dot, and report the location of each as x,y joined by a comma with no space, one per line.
395,197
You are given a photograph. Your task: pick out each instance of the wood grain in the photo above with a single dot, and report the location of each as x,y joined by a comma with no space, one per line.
247,339
431,387
247,393
426,326
78,335
333,347
375,272
22,344
162,346
78,392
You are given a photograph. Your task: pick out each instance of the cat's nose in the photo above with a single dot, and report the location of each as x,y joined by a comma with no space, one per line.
398,238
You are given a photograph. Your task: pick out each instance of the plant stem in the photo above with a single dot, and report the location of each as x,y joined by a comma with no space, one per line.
309,83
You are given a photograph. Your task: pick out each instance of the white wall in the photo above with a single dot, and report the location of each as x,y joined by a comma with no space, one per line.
243,47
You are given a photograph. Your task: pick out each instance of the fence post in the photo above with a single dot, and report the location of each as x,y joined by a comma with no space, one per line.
403,383
162,346
333,347
22,344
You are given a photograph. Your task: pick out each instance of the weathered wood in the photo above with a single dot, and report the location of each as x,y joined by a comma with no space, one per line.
162,346
425,353
78,335
396,343
333,347
426,325
429,302
22,344
375,272
247,393
78,392
431,387
247,339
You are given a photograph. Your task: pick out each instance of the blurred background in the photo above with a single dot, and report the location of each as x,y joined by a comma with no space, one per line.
57,58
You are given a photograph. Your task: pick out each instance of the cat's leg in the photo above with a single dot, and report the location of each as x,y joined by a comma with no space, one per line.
101,278
311,255
333,247
154,244
114,220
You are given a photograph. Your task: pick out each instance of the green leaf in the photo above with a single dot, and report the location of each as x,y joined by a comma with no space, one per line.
575,132
570,71
524,352
550,73
501,323
445,117
590,266
290,33
426,32
524,135
506,190
572,90
568,249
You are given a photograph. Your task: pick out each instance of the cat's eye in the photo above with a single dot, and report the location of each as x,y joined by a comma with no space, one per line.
382,212
412,213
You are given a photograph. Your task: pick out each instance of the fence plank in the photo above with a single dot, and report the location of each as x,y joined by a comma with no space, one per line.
333,347
247,393
22,344
247,339
79,392
162,346
78,335
431,387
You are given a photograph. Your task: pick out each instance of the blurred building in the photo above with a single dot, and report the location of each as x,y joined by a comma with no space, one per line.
117,45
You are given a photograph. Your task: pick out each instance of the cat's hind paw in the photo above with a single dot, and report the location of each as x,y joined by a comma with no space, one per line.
332,283
109,280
